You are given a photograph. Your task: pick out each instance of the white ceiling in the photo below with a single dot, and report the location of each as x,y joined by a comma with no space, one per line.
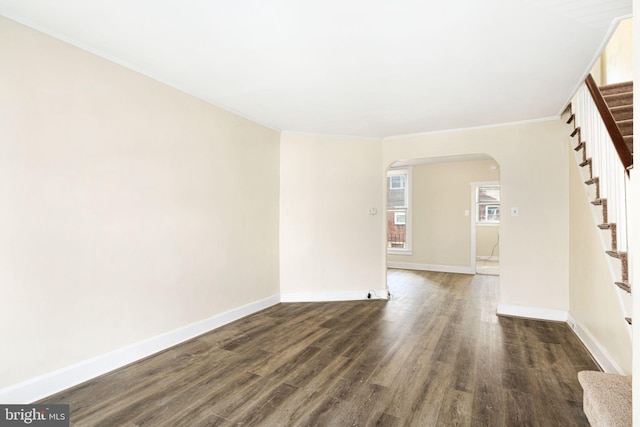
347,67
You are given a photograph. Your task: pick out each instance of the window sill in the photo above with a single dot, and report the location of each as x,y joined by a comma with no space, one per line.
399,252
488,224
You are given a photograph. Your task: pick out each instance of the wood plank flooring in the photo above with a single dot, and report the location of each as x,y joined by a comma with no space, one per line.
435,354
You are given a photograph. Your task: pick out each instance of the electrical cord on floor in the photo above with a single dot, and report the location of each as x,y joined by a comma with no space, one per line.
373,295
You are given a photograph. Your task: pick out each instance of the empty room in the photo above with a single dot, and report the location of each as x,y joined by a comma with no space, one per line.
284,213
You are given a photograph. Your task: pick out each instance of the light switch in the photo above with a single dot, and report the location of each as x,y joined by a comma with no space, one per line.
515,211
373,211
466,212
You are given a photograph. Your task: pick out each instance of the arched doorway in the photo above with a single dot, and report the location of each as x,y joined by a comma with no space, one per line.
439,213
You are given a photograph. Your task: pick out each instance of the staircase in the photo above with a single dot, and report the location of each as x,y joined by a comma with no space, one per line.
602,118
615,105
619,99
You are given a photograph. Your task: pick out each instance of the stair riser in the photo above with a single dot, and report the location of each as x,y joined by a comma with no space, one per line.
626,127
629,141
616,88
622,113
619,99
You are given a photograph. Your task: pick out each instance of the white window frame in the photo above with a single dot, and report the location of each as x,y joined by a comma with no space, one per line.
476,206
398,222
400,187
408,188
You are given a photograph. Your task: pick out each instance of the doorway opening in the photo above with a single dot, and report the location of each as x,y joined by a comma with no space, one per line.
435,220
486,225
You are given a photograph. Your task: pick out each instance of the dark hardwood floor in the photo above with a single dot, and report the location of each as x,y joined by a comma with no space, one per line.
435,354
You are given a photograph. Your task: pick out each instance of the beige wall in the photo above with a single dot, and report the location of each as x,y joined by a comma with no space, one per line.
486,239
330,247
128,208
617,60
594,303
534,247
441,192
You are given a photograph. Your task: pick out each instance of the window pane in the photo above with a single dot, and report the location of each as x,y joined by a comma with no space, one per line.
397,182
493,213
488,194
489,204
397,197
397,205
397,229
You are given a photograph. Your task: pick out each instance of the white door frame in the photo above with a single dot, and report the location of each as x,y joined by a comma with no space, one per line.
474,216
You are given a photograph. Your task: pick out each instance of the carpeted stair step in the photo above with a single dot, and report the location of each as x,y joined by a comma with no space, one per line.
629,141
616,88
613,88
606,398
619,99
624,286
615,254
626,127
623,112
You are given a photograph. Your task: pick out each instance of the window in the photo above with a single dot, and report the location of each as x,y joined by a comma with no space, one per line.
397,182
398,214
488,199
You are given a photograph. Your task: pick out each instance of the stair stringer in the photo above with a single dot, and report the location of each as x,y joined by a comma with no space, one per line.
597,307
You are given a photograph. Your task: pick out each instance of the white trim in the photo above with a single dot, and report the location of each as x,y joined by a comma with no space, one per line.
598,351
333,296
61,379
408,171
603,44
489,258
330,135
463,269
399,251
471,128
539,313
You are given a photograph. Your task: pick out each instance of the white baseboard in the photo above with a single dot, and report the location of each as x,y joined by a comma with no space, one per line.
487,258
598,352
532,312
334,296
433,267
56,381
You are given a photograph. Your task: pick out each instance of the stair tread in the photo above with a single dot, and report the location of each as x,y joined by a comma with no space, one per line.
624,286
594,180
607,398
622,112
618,99
613,87
625,126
